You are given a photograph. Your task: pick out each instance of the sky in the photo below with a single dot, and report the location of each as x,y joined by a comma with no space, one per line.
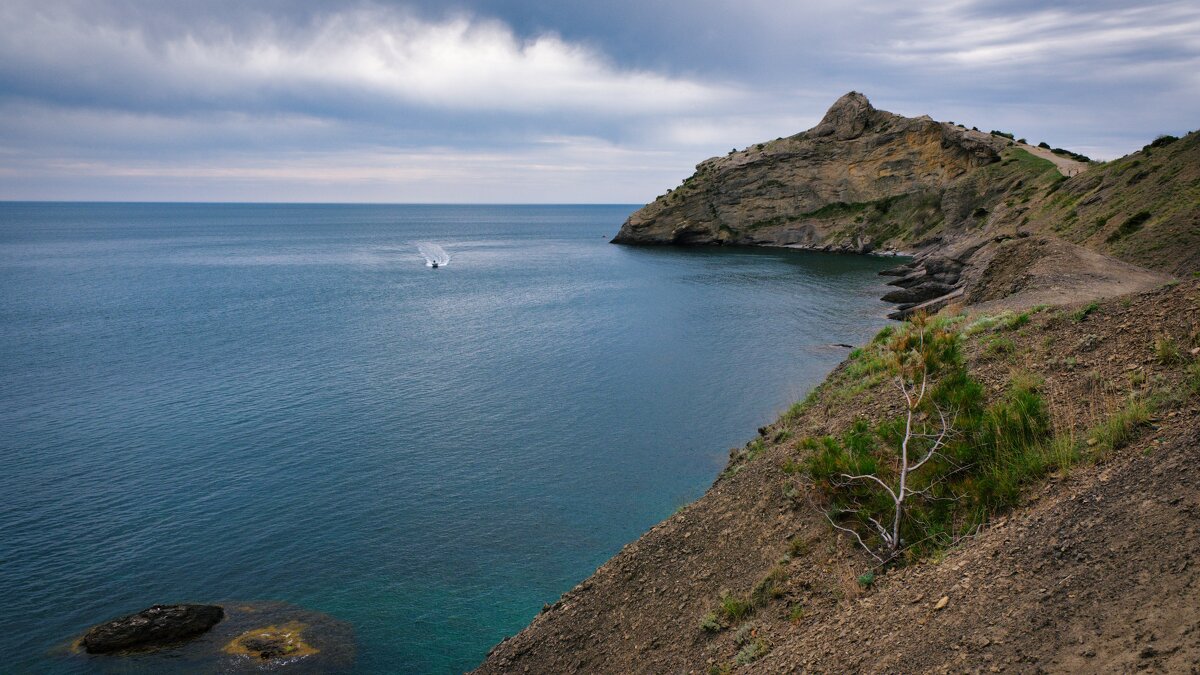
517,101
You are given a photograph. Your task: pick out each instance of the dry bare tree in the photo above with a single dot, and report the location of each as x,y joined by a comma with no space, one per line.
913,356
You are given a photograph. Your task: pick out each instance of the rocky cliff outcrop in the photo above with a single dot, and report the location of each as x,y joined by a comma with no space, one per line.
861,179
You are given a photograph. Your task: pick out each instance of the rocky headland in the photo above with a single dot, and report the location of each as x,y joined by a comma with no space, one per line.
868,181
1068,543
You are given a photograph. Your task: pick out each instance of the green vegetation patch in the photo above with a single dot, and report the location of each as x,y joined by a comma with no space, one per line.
972,457
1132,224
752,652
1028,160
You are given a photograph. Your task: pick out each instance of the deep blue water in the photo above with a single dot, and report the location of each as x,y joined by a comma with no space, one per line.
281,402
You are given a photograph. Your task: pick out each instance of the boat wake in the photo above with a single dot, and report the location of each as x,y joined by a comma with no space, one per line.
435,256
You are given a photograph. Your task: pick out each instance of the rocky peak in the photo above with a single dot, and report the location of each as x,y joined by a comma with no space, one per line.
847,118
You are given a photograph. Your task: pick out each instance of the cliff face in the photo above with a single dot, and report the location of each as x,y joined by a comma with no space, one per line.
823,188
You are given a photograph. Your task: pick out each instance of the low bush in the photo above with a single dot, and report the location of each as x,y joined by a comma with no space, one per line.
976,470
1166,351
1191,378
733,608
752,652
1084,312
1162,141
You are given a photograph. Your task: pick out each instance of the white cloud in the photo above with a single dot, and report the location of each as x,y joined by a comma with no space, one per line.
954,35
379,56
354,101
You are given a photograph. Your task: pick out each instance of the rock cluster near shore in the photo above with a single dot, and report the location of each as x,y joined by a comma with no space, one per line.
231,637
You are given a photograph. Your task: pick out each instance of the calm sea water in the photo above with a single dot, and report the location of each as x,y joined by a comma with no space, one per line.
281,402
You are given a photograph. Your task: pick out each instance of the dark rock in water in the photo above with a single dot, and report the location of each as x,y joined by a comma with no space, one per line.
152,627
926,291
910,280
899,270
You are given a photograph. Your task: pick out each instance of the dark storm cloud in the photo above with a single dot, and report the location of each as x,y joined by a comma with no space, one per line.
512,100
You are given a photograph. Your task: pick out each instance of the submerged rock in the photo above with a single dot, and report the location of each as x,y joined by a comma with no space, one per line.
925,291
152,627
272,643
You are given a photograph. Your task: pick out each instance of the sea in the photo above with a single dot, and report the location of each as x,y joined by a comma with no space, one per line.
273,402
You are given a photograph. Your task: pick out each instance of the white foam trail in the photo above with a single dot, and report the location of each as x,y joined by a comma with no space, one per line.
434,254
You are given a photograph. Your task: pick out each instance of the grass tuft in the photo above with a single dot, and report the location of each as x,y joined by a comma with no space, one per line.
1167,351
1115,432
733,608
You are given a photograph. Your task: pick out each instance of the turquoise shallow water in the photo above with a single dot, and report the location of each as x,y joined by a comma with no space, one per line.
281,402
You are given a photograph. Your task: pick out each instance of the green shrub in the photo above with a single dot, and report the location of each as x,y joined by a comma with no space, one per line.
1162,141
1085,311
866,580
710,623
1166,351
752,652
994,451
796,613
733,608
1000,347
1192,378
769,587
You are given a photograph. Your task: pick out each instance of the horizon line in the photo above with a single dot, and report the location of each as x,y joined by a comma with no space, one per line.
313,203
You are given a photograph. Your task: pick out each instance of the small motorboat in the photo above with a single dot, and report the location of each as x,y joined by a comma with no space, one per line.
434,264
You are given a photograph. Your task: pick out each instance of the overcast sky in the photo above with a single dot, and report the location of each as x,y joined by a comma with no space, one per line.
542,101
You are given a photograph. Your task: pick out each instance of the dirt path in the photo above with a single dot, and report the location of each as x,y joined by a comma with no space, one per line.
1066,166
1021,273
